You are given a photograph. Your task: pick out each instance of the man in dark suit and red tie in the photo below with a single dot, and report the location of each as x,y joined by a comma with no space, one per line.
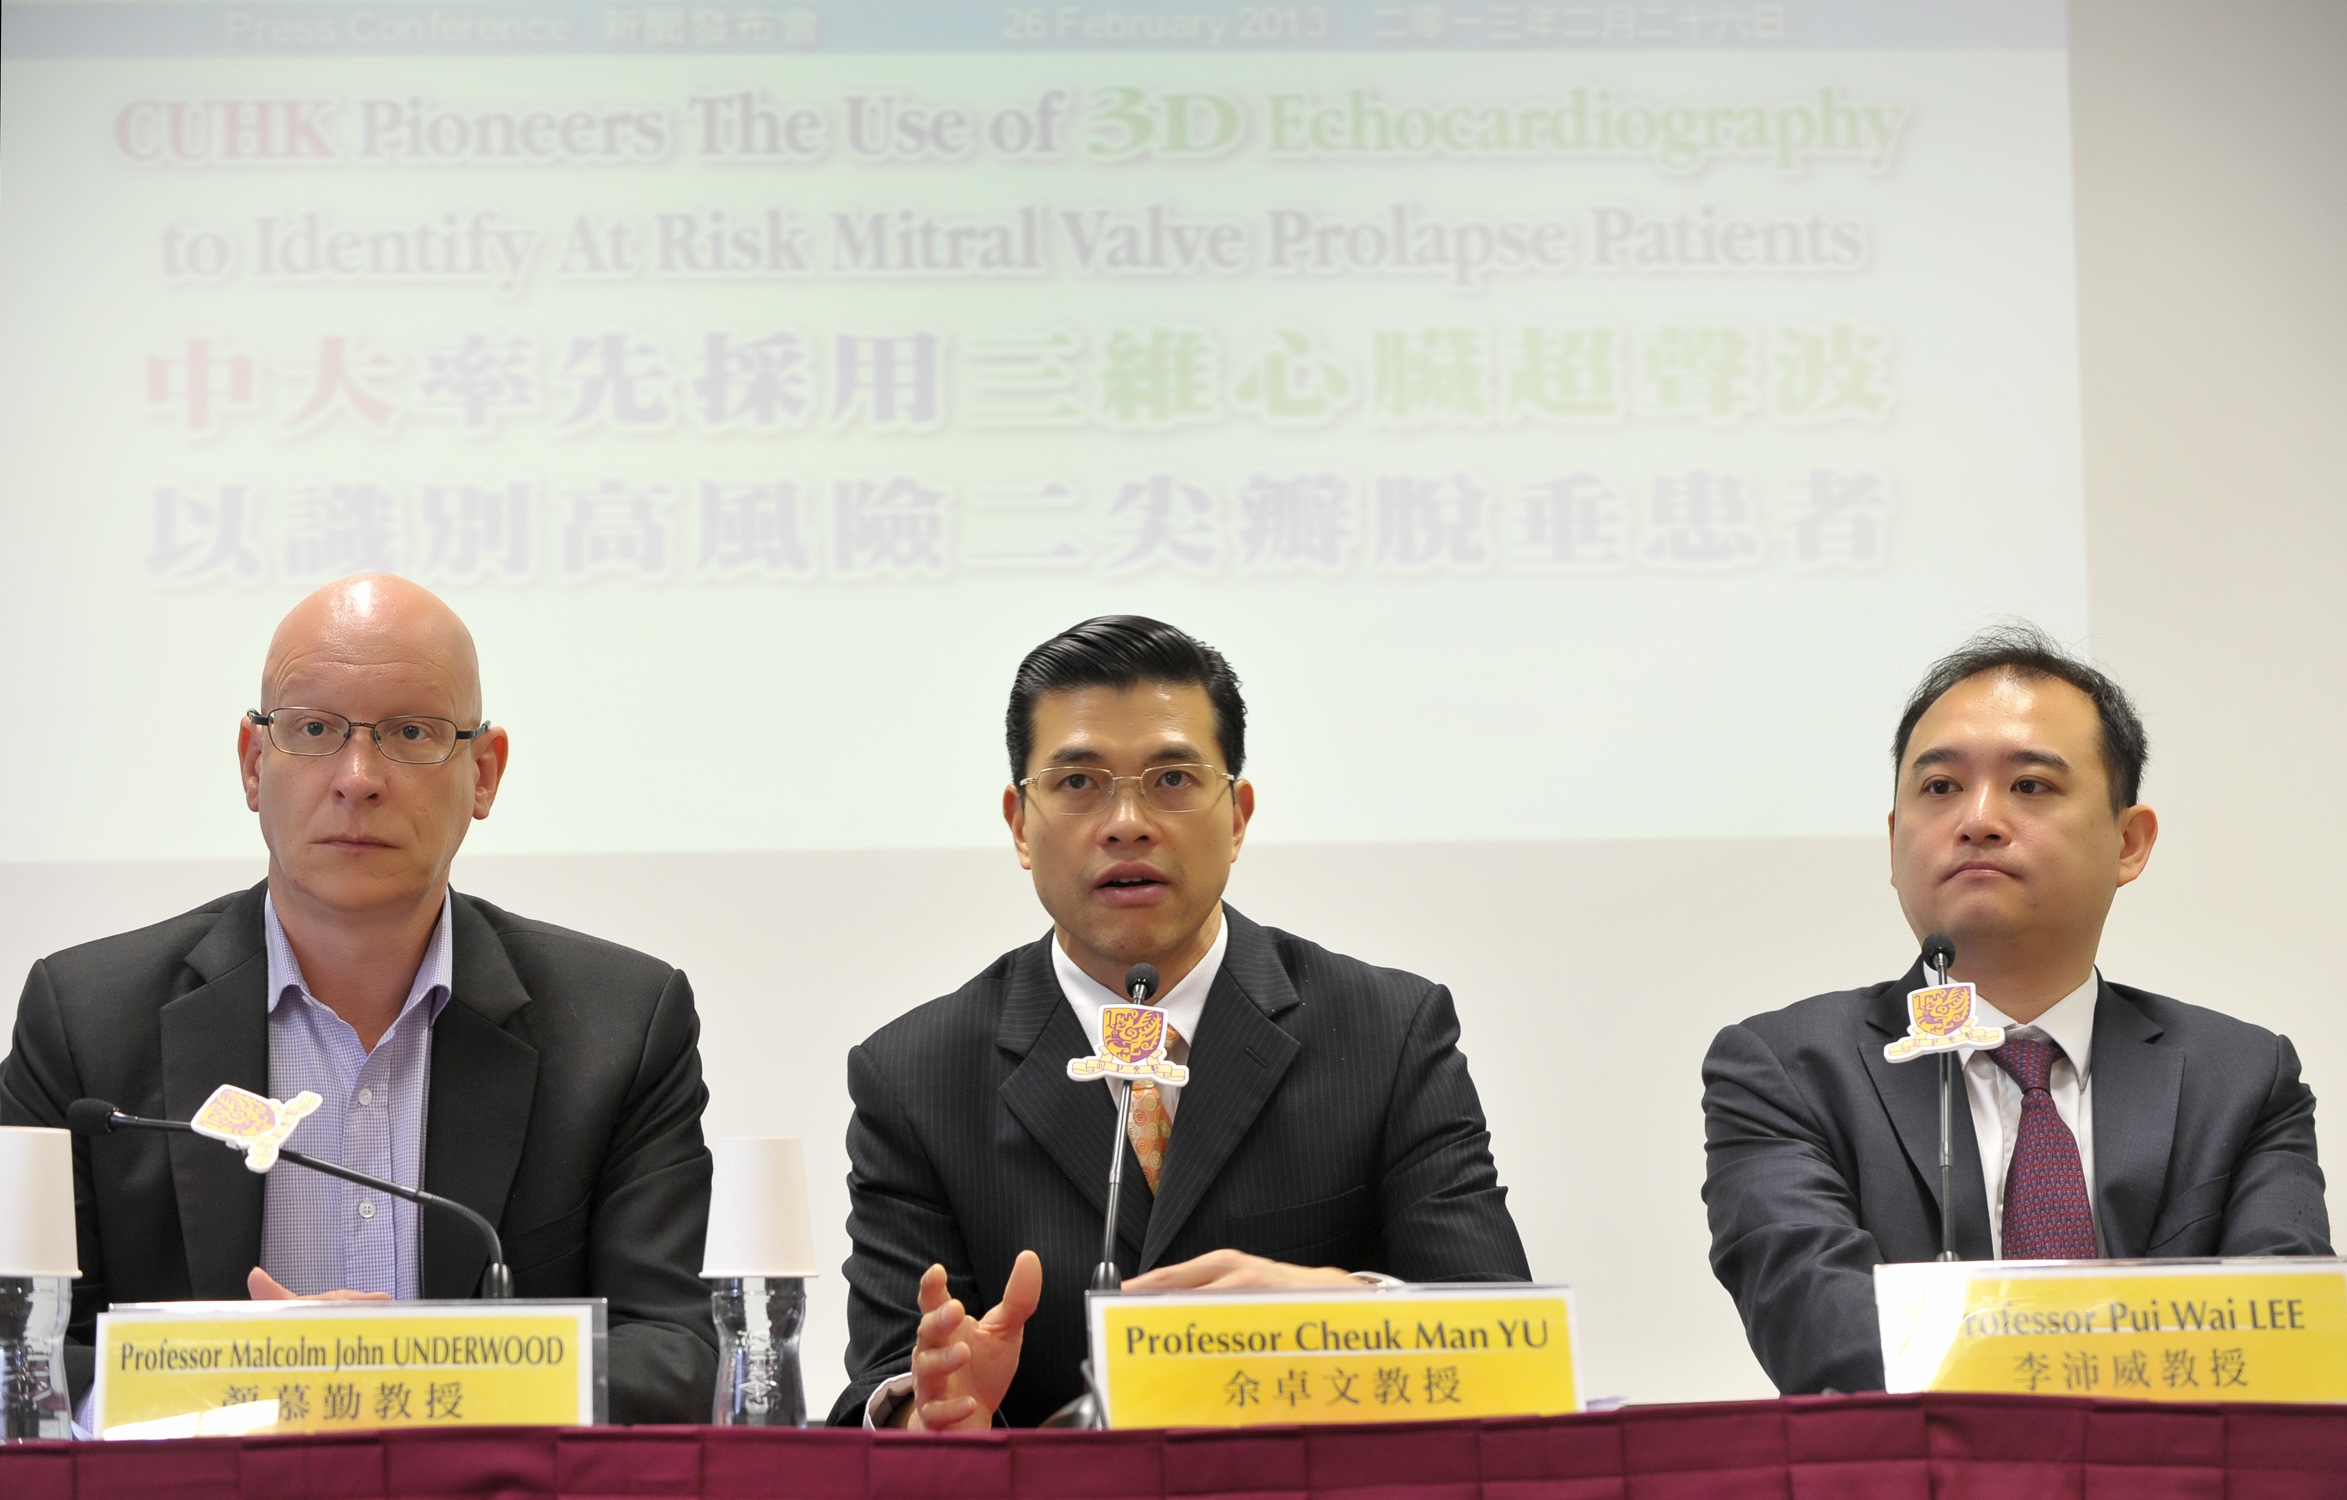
2112,1123
1327,1132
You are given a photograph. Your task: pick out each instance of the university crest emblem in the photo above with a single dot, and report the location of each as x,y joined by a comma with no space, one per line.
1132,1046
252,1123
1940,1018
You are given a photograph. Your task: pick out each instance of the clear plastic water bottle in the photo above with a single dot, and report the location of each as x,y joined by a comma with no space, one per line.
758,1323
33,1400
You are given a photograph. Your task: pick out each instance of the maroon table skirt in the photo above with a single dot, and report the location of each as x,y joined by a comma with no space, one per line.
1812,1448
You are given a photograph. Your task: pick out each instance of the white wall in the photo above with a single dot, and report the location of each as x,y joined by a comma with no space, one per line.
2212,226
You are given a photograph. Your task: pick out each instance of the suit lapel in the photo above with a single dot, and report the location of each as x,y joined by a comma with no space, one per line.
1073,1122
1910,1094
218,1033
483,1081
1240,1056
2135,1088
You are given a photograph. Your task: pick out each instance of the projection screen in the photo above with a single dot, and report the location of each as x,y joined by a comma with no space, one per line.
1530,387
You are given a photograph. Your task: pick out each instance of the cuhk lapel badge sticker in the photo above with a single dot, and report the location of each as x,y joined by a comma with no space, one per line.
1132,1047
1942,1018
255,1124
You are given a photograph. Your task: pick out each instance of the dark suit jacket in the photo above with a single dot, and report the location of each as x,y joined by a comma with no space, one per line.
565,1105
1824,1160
1329,1121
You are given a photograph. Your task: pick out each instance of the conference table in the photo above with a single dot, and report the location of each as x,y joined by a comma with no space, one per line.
1954,1447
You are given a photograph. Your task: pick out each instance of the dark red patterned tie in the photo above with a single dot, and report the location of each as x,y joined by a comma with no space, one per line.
2047,1216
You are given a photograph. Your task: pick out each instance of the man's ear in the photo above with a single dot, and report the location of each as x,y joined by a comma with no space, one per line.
2139,829
251,745
489,758
1014,813
1242,811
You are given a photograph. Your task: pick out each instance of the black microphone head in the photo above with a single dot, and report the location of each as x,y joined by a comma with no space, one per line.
90,1117
1939,951
1141,982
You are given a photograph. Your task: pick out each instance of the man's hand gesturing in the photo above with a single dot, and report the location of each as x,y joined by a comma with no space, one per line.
962,1366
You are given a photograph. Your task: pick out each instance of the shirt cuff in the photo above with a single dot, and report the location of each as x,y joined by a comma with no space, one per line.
881,1410
85,1420
1378,1279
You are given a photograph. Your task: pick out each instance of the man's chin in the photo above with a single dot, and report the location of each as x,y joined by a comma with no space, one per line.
1130,941
1973,925
357,886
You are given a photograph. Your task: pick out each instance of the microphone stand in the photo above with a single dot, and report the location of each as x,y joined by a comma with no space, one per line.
496,1279
1105,1276
1141,983
1947,1124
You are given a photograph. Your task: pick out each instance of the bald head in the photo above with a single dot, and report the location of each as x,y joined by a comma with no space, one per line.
361,834
375,620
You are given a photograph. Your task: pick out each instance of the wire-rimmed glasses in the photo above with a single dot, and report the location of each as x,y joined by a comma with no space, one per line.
411,740
1082,791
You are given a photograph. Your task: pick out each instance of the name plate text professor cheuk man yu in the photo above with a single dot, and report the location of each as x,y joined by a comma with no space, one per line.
2112,1122
546,1079
1328,1126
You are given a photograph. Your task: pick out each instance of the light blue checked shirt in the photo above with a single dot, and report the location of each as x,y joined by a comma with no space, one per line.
319,1234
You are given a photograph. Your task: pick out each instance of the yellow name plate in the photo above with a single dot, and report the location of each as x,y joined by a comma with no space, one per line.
1287,1354
2265,1329
192,1369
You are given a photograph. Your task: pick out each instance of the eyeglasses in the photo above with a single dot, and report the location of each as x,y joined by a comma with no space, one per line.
1082,791
416,740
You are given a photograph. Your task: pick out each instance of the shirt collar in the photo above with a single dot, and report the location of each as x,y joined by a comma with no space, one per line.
2069,1024
434,978
1183,1005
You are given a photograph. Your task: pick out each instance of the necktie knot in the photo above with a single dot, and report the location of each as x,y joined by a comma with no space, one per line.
2028,1062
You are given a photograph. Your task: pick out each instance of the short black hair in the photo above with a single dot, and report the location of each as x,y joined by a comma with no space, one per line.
2025,651
1121,651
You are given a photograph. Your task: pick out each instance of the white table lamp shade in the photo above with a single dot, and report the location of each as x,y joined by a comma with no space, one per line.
758,1210
36,1203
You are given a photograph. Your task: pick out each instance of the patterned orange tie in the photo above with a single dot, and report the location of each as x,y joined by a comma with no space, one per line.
1151,1126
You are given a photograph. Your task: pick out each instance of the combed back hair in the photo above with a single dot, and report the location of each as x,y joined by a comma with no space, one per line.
2022,650
1122,651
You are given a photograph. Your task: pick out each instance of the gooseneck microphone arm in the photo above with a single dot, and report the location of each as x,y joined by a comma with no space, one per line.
1140,984
1939,951
97,1117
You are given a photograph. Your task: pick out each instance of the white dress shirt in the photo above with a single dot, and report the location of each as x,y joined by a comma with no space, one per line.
1183,1005
1996,1099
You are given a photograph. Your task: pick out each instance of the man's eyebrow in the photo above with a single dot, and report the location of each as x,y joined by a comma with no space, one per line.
2046,758
1941,755
1085,755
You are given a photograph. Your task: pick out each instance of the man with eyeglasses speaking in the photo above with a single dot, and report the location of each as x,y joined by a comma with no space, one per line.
546,1079
1328,1131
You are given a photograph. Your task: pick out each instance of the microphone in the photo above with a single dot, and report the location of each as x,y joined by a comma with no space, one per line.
1140,983
1939,952
98,1117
